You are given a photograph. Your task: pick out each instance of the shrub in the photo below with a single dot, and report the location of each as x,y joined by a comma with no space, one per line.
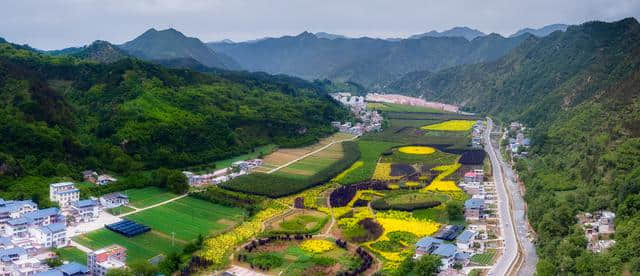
387,246
381,205
266,260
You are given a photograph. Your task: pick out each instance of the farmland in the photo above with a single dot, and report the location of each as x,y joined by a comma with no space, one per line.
148,196
313,163
71,254
189,217
301,221
391,107
141,247
369,154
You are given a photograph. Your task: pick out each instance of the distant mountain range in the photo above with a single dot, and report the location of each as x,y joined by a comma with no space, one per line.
541,32
465,32
374,63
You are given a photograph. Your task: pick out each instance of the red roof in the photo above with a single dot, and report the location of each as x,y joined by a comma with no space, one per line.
470,174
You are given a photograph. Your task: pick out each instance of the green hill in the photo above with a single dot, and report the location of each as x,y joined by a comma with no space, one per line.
578,90
62,114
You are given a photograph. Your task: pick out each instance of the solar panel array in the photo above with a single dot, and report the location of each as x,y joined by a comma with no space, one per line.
128,228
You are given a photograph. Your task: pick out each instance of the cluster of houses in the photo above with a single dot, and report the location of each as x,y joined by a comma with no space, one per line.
456,244
94,177
371,120
237,168
518,143
99,262
599,229
476,134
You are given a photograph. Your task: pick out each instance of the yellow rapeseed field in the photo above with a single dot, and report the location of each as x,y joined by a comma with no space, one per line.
452,125
353,167
383,171
317,246
441,185
417,150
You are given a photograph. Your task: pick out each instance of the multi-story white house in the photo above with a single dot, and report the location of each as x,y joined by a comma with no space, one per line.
465,241
12,209
85,210
45,216
18,228
51,235
16,262
105,259
64,193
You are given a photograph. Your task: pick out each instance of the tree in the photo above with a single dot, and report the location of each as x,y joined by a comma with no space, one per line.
454,210
177,182
143,268
119,272
427,265
170,264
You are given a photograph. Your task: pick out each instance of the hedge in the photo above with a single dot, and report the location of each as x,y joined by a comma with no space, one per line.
382,205
275,186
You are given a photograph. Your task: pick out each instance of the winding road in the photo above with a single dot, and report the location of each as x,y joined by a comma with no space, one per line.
519,257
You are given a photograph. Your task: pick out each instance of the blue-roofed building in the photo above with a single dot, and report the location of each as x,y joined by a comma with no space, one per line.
51,272
447,253
465,240
11,209
473,208
426,245
85,210
45,216
17,228
73,269
64,193
5,243
50,235
13,254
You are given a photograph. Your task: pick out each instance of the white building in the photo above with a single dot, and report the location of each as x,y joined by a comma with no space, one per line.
45,216
64,193
17,228
11,209
105,259
85,210
113,200
105,179
465,241
16,262
52,235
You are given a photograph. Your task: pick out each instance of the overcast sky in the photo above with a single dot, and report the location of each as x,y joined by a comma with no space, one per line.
55,24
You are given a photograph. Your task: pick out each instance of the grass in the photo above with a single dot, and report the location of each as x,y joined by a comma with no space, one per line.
141,247
484,258
300,222
148,196
369,153
72,254
263,150
120,210
188,217
415,197
314,163
391,107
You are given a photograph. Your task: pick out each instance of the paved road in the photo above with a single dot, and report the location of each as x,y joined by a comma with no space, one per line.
311,153
510,253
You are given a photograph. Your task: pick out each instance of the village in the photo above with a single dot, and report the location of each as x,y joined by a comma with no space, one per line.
29,234
368,120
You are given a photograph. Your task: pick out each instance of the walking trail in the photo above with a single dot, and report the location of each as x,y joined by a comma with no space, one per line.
152,206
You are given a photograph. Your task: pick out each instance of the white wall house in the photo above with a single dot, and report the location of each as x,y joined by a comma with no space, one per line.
85,210
465,241
17,228
52,235
113,200
64,193
45,216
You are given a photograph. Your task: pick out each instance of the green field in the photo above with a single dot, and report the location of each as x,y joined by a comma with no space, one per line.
141,247
484,258
188,217
72,254
148,196
369,153
119,210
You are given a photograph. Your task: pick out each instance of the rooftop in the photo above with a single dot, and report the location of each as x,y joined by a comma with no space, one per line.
73,268
43,213
474,203
84,203
445,250
61,184
465,236
53,228
428,242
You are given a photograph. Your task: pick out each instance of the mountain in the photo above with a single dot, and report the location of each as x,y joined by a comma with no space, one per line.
101,51
374,63
577,91
329,36
170,44
465,32
61,115
544,31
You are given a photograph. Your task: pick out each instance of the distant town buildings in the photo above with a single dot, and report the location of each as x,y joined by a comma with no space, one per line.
99,262
105,179
64,193
518,144
406,100
237,168
371,120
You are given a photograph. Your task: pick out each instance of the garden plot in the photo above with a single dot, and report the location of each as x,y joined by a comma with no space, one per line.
299,221
139,248
148,196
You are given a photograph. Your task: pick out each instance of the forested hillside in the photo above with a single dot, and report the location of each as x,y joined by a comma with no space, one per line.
578,90
61,115
373,63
